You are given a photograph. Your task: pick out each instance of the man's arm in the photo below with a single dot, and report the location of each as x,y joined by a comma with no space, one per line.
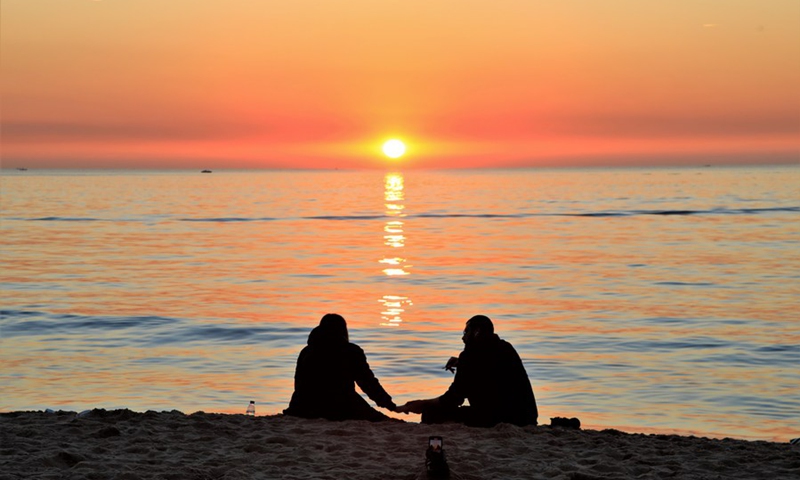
451,364
454,395
457,393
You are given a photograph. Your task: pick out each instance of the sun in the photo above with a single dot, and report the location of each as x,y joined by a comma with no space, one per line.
394,148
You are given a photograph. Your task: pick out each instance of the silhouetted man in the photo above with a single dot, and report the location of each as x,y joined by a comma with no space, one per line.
490,374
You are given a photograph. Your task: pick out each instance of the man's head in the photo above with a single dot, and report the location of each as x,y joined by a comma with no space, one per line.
479,329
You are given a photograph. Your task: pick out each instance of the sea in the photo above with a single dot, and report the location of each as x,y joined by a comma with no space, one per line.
652,300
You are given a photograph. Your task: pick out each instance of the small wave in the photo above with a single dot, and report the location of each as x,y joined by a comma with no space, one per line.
270,219
720,211
473,215
26,322
715,211
64,219
596,214
17,313
346,217
148,330
677,344
621,213
274,335
793,349
228,219
672,212
599,214
77,219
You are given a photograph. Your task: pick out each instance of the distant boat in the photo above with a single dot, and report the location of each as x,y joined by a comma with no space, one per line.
22,169
206,171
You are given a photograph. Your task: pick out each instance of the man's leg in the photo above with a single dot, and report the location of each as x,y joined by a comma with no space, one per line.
440,414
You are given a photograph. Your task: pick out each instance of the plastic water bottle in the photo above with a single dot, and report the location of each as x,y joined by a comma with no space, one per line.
251,409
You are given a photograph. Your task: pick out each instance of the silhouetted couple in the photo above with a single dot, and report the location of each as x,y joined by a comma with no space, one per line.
489,373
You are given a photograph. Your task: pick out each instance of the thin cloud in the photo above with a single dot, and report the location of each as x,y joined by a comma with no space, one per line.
24,132
676,125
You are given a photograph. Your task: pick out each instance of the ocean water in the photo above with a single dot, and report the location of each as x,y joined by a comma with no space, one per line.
647,300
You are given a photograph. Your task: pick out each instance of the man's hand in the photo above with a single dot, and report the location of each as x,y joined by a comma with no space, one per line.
414,406
451,365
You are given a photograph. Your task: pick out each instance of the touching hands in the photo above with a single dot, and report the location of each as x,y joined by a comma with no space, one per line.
417,406
414,406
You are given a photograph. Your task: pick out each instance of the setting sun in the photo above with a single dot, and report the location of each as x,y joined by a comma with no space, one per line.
394,148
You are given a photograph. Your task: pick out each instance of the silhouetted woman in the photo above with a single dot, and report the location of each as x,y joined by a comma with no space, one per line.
327,370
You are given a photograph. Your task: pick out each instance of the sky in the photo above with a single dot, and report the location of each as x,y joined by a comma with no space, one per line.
322,84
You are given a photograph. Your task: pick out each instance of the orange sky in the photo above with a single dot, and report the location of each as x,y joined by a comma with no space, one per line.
320,84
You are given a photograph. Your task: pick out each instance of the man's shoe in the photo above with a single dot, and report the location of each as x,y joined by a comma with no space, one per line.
565,422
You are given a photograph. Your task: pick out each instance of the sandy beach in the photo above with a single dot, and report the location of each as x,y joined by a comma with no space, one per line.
126,445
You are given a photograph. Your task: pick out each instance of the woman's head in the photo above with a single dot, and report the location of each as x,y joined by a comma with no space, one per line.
334,327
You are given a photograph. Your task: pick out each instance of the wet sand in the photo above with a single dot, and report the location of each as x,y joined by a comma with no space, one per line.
126,445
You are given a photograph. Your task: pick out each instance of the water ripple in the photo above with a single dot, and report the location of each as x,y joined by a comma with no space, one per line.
147,330
20,323
599,214
229,219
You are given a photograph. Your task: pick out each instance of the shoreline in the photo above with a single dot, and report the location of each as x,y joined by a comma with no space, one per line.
126,445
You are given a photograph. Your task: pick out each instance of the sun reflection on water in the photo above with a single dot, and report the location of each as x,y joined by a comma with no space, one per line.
393,309
394,237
